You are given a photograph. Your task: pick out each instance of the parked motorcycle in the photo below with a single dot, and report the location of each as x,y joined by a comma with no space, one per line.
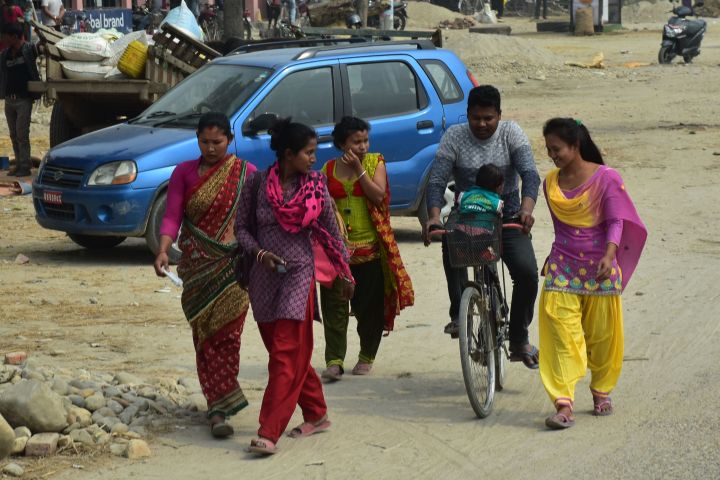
682,36
400,15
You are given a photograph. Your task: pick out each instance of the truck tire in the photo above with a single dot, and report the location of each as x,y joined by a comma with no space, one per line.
61,130
95,242
152,235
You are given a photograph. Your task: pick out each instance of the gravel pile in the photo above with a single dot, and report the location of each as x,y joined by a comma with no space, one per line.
45,411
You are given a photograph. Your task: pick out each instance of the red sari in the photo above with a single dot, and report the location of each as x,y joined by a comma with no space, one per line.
212,300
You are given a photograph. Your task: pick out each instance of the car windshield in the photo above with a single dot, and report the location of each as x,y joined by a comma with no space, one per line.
215,88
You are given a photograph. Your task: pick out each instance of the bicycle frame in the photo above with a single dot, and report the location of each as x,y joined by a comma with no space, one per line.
484,278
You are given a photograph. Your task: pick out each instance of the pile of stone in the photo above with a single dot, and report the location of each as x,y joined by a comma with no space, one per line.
44,411
460,23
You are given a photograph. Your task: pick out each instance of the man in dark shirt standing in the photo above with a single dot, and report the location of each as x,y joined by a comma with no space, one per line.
17,68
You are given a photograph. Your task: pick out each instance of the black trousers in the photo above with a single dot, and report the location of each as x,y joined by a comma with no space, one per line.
519,256
498,6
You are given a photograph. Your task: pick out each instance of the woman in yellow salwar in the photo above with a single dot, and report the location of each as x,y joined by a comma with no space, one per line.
598,240
203,195
357,181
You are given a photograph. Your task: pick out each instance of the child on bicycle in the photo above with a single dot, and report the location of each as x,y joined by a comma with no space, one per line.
598,240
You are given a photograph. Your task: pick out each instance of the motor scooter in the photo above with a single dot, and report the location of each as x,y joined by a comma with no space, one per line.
400,15
682,36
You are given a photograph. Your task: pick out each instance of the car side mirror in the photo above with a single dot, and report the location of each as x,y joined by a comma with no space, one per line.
261,123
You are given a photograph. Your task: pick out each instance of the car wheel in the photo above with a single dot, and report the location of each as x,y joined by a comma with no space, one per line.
96,242
152,235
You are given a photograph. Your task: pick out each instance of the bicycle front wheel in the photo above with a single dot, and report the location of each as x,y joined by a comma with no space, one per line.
477,351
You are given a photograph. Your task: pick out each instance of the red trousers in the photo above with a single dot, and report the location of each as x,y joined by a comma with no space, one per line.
292,380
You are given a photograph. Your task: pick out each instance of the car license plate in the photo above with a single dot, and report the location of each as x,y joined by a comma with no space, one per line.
54,198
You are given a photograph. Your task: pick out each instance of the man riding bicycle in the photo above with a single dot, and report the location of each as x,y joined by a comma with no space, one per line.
463,150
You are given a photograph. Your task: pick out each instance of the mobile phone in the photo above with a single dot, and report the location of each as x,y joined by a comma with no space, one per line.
280,268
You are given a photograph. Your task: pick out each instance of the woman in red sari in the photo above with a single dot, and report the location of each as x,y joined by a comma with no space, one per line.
203,195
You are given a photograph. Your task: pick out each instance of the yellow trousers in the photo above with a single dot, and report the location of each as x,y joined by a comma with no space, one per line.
577,332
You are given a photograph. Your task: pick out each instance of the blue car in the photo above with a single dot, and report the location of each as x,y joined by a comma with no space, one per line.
111,184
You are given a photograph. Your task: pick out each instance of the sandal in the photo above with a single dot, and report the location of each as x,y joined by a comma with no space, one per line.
221,430
602,408
362,368
559,421
308,428
529,358
263,446
333,373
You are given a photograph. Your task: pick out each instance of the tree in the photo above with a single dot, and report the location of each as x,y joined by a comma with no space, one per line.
363,11
233,19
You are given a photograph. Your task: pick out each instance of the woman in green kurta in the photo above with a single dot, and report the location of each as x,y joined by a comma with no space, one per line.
357,181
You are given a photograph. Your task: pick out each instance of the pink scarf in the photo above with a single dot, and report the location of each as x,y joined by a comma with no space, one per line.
303,210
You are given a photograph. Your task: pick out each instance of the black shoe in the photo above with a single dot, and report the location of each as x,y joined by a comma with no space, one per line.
452,329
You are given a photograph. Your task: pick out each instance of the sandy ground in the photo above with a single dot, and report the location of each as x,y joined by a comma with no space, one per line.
411,419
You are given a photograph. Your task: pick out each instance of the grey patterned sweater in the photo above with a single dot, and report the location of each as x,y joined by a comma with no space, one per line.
461,154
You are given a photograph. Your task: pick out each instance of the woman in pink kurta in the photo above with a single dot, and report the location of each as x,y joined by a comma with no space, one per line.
203,197
598,240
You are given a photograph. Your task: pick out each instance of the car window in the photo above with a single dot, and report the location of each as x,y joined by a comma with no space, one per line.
221,88
384,89
306,96
443,80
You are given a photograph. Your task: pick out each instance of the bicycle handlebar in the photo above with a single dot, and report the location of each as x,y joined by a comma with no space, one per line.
439,230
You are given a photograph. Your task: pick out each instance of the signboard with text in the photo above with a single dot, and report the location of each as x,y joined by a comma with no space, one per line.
93,20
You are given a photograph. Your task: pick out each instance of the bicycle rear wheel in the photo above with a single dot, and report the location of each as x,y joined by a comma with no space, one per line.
477,351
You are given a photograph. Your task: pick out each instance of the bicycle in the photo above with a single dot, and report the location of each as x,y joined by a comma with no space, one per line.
483,315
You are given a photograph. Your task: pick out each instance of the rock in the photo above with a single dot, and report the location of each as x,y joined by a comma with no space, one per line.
137,449
15,358
139,431
129,414
147,392
7,438
29,374
32,404
124,378
106,412
108,423
72,428
22,432
13,469
21,259
65,441
95,402
142,404
77,400
191,384
60,386
7,372
102,438
79,415
86,392
42,445
118,449
111,391
197,402
119,428
129,397
82,436
19,446
140,422
115,407
84,384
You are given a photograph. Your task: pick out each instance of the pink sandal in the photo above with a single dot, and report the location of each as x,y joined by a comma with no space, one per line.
306,429
559,421
263,446
603,408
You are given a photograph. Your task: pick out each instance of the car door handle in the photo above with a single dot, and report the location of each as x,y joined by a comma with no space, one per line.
325,139
423,124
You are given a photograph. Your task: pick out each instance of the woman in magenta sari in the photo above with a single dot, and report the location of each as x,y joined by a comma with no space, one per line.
598,241
203,196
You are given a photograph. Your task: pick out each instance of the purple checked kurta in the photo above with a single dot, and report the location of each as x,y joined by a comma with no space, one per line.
273,295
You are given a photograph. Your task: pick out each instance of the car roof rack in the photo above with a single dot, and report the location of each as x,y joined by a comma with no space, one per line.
296,43
418,44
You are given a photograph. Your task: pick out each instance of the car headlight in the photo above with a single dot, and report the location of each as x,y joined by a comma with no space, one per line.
115,173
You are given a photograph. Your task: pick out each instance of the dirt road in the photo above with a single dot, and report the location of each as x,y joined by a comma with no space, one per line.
657,125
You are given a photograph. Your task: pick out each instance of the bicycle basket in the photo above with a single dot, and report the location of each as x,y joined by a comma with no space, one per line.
474,240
